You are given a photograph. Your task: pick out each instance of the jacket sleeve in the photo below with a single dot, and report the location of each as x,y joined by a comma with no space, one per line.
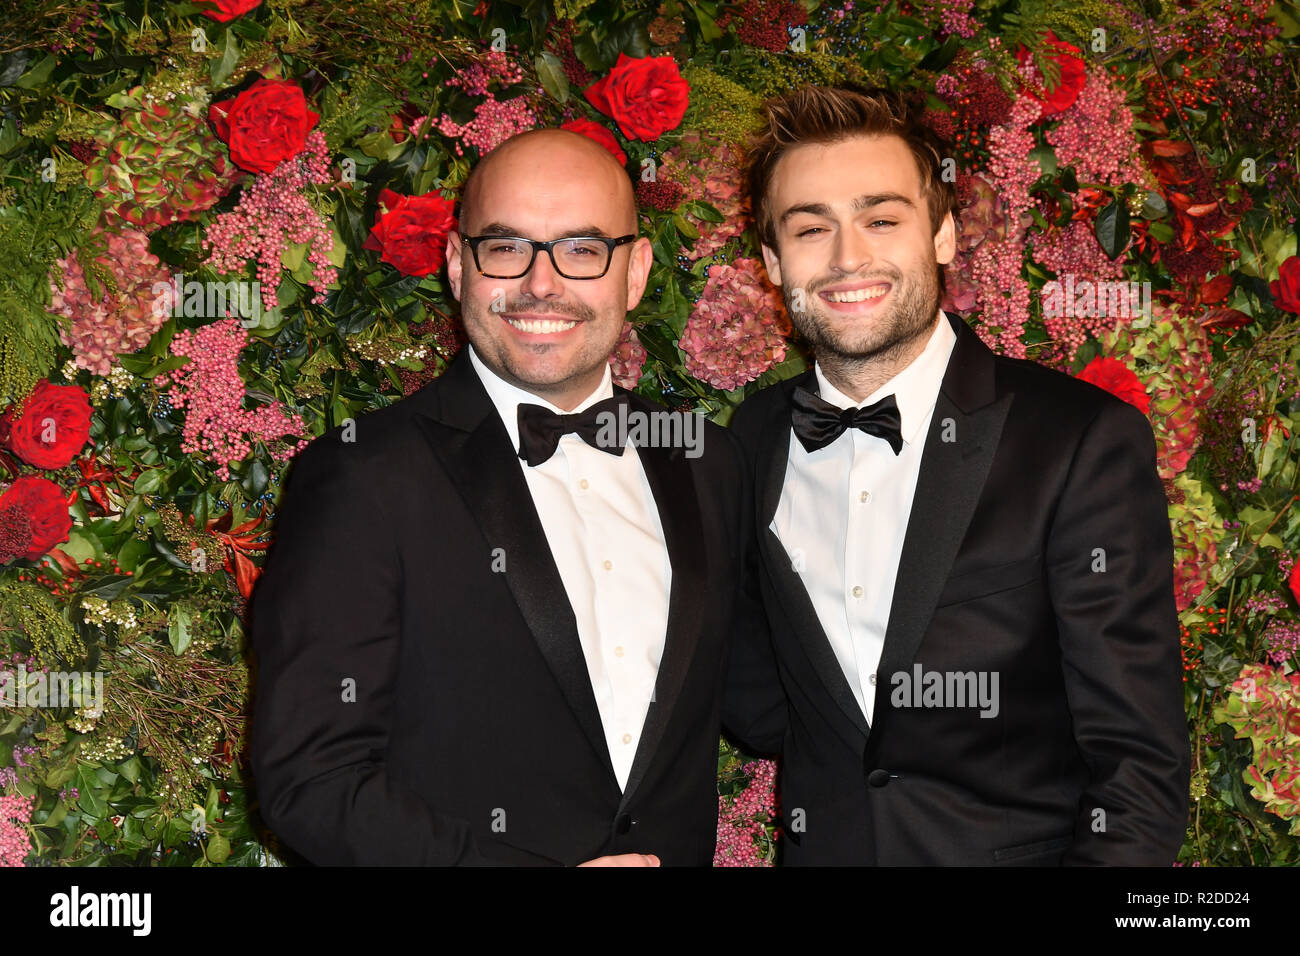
754,709
326,631
1110,574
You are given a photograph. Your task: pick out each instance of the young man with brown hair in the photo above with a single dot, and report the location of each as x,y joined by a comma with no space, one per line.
965,558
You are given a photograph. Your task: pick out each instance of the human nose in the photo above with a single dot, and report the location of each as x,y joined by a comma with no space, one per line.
851,251
542,281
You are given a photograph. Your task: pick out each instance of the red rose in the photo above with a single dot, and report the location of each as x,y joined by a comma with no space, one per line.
227,10
41,504
54,425
1286,287
412,234
1294,580
264,125
1073,76
646,97
600,134
1118,379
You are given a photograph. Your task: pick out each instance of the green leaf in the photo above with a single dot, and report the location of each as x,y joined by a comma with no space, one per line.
254,482
295,253
131,769
10,138
1112,229
1161,231
150,481
1154,207
229,57
709,30
551,72
218,849
79,546
178,628
38,74
56,815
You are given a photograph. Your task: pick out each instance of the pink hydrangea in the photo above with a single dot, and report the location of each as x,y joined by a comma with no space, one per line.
627,359
738,328
117,321
211,391
709,172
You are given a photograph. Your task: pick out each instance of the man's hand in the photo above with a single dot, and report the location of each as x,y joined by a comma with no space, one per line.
625,859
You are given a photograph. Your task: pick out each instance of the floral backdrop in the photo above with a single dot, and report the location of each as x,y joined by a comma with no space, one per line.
221,234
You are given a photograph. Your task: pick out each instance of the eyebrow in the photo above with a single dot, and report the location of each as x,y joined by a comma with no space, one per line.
505,229
865,201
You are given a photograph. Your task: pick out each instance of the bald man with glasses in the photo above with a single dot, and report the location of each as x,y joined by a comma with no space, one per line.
485,633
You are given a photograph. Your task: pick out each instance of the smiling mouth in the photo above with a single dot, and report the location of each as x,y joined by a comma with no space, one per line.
540,326
856,295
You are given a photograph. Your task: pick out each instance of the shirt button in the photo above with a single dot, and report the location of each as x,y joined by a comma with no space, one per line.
872,680
627,738
609,565
857,590
583,484
618,651
862,497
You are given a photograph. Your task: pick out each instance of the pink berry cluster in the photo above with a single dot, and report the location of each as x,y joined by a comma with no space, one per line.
707,171
118,320
995,266
273,214
495,67
953,15
1074,251
741,821
494,122
1283,639
627,359
1095,135
15,817
211,391
738,328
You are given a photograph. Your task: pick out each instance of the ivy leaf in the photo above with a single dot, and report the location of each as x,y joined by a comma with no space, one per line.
1112,229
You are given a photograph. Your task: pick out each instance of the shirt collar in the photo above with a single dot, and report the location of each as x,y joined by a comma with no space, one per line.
507,397
915,388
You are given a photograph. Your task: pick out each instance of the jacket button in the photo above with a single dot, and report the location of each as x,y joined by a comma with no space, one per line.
878,778
624,823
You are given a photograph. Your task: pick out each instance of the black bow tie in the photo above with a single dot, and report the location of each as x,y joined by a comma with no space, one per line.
540,429
817,422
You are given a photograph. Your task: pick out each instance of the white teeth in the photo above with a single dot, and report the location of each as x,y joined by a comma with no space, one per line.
541,326
857,295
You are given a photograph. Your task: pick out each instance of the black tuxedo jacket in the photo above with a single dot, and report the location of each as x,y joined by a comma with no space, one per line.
421,693
1087,759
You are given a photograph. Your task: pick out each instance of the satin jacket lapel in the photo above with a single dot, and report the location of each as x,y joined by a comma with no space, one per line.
668,472
469,438
948,487
773,458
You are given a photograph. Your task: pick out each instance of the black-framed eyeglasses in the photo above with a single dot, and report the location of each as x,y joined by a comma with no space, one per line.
574,257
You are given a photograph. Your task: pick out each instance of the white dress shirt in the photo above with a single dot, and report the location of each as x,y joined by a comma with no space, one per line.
603,528
844,511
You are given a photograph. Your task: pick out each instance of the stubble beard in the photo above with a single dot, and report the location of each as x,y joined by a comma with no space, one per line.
498,354
882,339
